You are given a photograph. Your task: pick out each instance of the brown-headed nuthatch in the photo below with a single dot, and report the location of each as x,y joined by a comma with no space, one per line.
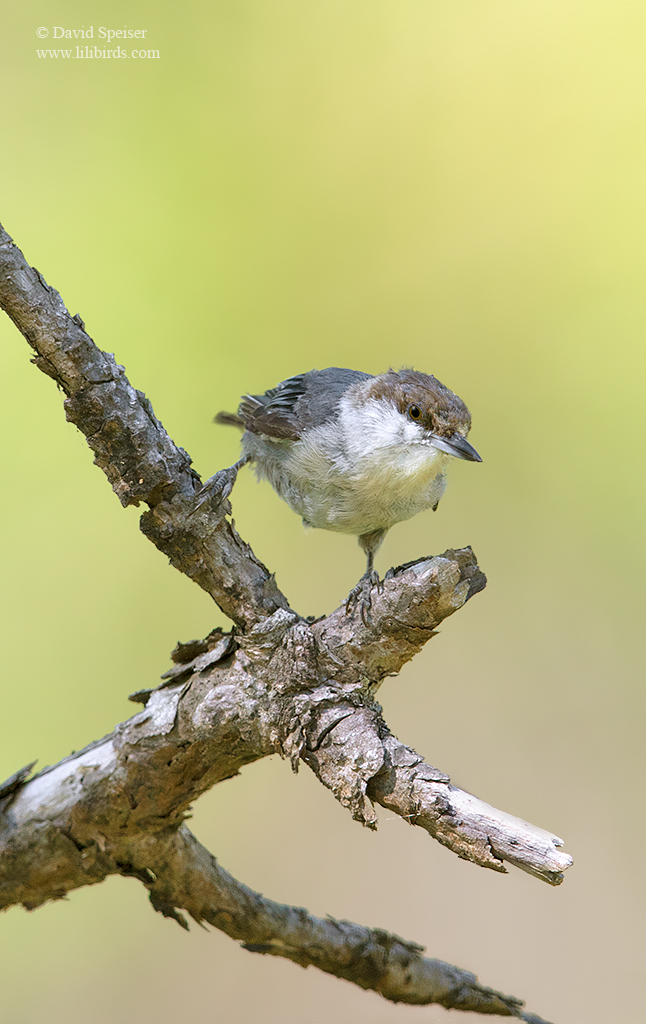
352,452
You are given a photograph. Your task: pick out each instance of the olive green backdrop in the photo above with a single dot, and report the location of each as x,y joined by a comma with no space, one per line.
456,185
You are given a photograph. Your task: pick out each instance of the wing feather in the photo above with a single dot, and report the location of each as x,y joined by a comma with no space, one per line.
298,403
273,413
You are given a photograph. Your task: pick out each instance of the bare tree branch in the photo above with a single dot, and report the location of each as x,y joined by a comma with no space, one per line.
275,683
132,448
187,876
277,689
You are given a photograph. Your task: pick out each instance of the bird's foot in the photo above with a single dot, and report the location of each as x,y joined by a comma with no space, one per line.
216,490
360,597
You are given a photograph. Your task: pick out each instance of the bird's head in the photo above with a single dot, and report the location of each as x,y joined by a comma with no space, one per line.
415,409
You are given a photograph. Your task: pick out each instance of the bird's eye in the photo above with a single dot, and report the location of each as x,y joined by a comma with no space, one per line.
414,412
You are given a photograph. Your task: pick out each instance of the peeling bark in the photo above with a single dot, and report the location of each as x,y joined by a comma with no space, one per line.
275,683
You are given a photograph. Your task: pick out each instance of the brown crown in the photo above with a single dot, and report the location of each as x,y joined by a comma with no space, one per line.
442,411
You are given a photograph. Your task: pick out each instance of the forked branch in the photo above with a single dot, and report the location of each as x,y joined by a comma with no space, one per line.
276,683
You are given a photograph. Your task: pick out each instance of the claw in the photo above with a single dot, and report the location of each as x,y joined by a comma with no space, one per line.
214,491
218,487
361,596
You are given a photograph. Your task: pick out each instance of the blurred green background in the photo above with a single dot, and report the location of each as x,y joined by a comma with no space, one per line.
448,184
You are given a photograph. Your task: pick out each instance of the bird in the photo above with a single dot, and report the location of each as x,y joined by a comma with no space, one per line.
351,452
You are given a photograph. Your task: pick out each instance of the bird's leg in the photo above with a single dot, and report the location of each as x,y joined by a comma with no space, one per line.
361,596
219,487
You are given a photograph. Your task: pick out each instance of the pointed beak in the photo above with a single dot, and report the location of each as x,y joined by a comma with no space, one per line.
457,446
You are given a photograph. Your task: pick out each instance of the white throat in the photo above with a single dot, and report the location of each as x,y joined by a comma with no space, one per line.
379,439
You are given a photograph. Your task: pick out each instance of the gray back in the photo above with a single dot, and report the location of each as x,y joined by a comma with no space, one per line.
298,403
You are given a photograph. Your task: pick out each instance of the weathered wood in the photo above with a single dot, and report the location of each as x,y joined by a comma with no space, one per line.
275,683
132,448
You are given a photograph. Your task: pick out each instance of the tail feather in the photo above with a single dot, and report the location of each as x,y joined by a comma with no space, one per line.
229,419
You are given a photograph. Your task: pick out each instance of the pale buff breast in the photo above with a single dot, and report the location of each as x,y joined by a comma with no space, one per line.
342,483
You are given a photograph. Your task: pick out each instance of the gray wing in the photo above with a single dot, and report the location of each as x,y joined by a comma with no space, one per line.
299,403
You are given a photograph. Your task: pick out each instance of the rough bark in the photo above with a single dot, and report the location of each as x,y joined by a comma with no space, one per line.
131,446
275,683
